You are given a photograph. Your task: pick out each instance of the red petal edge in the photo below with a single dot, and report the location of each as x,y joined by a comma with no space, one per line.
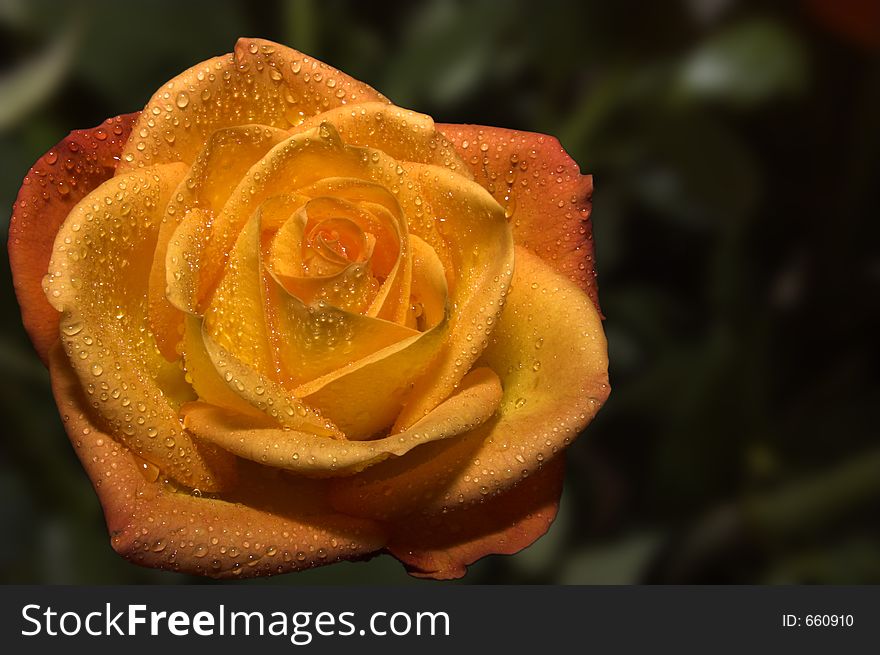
442,546
547,200
52,187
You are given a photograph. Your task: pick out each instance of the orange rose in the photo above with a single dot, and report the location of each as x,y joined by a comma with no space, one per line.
289,323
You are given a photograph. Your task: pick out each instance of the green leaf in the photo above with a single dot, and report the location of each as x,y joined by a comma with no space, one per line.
753,62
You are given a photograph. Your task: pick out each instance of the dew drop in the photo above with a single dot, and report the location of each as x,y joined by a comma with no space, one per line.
72,329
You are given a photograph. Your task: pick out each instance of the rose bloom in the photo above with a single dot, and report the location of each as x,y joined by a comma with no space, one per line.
289,323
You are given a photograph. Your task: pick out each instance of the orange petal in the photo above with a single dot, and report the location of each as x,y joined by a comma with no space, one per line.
317,340
391,254
262,392
98,279
262,82
53,186
226,157
207,382
551,355
364,397
235,319
458,218
400,133
308,454
273,524
441,546
546,198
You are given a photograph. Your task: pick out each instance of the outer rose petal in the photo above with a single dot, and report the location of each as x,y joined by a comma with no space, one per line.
443,545
60,179
547,200
262,82
98,277
257,532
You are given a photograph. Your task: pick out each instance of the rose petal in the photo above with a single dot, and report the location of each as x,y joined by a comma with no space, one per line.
349,283
315,341
304,453
429,293
311,342
391,254
545,196
205,379
235,318
441,546
262,392
400,133
98,278
223,161
458,218
53,186
550,353
262,82
364,397
274,524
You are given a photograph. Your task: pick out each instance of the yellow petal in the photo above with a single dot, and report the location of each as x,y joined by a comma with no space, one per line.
98,279
205,379
264,393
186,229
316,340
364,397
551,355
391,254
400,133
458,219
262,82
235,319
471,405
429,290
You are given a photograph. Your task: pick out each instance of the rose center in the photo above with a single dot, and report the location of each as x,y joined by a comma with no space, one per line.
335,243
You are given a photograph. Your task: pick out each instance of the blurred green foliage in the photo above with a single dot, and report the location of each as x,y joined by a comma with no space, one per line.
734,147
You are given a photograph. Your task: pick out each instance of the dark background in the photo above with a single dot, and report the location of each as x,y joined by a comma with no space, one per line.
736,154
